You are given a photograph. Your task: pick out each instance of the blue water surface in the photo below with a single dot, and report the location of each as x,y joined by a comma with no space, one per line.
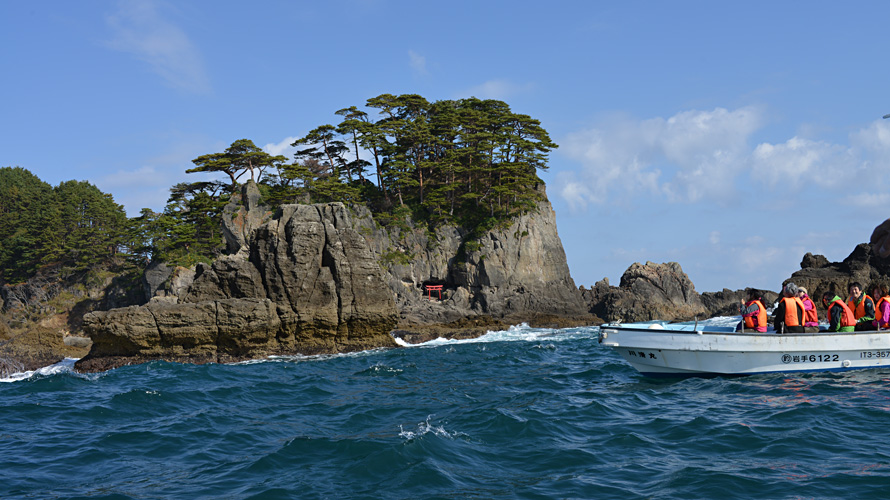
527,413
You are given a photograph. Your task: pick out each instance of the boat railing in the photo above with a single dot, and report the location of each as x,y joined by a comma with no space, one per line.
695,328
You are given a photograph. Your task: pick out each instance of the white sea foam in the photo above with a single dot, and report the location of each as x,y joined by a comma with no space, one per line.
426,427
525,333
402,343
291,358
516,333
64,366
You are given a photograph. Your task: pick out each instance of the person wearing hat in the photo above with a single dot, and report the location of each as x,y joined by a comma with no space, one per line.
810,315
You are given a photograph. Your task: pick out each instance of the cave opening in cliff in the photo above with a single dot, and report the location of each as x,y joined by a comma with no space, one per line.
434,289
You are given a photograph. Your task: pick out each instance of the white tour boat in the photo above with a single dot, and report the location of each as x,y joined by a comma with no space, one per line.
660,349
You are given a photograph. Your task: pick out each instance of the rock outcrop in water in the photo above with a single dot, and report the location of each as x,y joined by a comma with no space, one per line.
647,292
304,282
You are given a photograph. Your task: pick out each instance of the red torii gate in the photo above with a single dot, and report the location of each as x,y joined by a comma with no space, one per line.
433,288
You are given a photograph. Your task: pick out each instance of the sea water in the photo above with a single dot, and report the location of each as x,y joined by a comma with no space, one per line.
524,413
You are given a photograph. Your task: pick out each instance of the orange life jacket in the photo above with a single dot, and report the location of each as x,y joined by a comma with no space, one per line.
760,317
810,315
847,317
859,309
878,316
793,316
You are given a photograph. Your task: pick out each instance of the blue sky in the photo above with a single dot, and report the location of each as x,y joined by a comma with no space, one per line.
731,137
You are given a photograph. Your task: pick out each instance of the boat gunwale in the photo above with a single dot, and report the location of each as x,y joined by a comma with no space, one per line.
745,333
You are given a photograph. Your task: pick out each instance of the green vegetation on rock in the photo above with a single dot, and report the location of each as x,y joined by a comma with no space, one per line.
469,162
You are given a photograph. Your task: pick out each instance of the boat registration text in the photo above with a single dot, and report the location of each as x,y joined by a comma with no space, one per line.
809,358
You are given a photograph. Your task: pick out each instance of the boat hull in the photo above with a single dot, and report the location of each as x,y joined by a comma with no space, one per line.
668,352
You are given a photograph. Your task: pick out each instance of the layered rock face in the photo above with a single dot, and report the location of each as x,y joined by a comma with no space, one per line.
303,282
647,292
519,273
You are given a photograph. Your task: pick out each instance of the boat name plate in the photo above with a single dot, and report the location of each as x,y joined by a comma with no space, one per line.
809,358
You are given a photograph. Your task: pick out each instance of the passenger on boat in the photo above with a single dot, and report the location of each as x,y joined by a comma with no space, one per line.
882,308
788,316
752,311
840,317
863,307
811,316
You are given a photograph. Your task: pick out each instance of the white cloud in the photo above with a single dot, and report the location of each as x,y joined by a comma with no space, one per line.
147,185
688,157
868,200
138,29
797,162
282,148
496,89
714,237
704,156
418,62
758,257
875,137
128,179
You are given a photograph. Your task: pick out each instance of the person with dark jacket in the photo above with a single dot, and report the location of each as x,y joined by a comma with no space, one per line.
788,317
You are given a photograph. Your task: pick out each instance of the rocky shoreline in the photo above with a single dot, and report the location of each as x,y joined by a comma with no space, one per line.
313,279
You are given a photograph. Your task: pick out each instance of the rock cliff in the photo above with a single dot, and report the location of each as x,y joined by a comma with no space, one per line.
512,274
303,282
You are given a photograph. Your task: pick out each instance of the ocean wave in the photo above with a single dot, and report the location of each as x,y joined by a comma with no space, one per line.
64,366
427,427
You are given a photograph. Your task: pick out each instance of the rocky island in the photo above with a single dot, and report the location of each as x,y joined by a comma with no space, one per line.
306,281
